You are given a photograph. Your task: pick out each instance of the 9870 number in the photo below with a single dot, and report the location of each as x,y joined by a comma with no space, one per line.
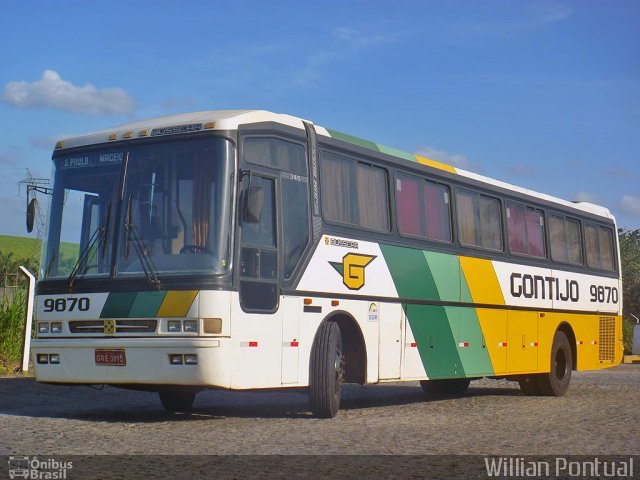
602,294
66,304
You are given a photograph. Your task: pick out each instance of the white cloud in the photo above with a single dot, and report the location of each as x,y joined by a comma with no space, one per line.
630,205
455,159
586,197
54,92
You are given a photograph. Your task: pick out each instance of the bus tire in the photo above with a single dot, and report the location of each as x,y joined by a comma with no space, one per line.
556,382
177,400
326,371
452,386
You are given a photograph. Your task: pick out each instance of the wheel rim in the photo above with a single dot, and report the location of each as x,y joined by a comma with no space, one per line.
560,364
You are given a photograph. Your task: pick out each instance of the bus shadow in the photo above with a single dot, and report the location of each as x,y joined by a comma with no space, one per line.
25,397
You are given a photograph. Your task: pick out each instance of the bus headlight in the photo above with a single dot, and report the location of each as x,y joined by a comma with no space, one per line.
174,326
43,327
190,326
56,327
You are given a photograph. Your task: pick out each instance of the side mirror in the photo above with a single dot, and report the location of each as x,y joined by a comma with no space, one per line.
253,202
31,213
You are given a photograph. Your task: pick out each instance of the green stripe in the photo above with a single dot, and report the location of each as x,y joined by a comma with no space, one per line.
445,270
438,330
397,153
354,140
433,327
410,273
118,305
147,304
475,358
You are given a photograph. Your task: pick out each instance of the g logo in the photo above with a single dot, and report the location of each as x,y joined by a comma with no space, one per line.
352,269
109,327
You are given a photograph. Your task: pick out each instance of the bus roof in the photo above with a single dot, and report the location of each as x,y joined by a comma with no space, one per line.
232,119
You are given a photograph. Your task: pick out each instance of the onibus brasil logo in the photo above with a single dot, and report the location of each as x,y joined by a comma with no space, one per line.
352,269
35,468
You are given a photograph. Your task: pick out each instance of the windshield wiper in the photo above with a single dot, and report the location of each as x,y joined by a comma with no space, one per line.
100,233
141,249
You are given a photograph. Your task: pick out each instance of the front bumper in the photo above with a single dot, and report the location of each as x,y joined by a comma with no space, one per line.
147,361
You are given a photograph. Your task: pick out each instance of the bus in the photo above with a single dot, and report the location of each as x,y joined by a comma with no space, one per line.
248,250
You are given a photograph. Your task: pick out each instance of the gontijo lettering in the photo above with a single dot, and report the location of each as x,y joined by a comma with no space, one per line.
539,287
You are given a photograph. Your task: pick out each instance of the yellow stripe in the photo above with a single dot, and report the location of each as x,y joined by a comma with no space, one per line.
177,303
482,280
435,164
484,288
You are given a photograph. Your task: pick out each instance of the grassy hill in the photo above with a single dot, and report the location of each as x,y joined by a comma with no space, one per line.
25,247
21,247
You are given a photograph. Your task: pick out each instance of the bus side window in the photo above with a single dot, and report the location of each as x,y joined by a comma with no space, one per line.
479,220
290,158
599,246
295,221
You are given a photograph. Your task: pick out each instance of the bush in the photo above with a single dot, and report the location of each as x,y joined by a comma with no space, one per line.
627,334
12,314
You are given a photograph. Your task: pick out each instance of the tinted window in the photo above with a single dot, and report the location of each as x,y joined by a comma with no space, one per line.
599,246
354,192
276,153
263,232
408,206
423,208
525,228
479,220
295,220
566,244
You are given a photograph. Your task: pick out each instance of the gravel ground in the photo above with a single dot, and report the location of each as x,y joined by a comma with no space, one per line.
599,416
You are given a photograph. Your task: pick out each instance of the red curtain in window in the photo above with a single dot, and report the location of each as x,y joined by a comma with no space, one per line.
517,229
408,206
535,233
436,212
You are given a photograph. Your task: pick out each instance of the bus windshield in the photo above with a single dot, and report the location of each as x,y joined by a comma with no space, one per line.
166,207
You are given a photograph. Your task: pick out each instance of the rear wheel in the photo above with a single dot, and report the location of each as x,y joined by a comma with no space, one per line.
177,400
556,382
453,386
326,371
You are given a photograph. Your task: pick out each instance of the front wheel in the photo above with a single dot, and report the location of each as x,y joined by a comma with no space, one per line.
556,382
453,386
326,372
176,400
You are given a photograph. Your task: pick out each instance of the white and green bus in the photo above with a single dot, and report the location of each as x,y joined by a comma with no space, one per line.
251,250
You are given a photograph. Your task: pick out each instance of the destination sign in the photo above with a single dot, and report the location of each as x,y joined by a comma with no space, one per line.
91,160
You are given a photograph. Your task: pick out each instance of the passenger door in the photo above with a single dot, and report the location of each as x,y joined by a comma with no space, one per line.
258,249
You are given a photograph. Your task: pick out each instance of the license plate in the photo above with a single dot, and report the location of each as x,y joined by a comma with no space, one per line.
111,357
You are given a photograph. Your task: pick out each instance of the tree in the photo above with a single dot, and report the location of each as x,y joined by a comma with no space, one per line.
630,263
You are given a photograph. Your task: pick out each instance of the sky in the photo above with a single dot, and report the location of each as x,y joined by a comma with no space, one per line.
542,94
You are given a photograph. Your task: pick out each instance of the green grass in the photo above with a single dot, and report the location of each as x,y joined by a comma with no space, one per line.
21,247
12,313
627,335
25,247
